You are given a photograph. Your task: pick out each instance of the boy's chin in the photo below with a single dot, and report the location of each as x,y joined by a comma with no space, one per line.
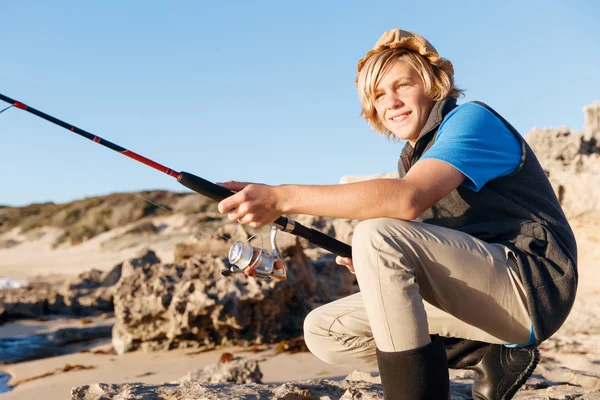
405,135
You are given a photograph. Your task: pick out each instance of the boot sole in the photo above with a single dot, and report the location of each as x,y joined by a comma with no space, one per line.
523,377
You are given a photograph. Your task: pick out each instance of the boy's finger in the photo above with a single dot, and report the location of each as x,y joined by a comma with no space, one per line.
343,260
233,185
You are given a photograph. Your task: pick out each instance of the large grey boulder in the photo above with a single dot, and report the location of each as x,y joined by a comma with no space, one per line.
164,306
240,370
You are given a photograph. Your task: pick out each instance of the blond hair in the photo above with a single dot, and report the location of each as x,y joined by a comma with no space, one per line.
438,83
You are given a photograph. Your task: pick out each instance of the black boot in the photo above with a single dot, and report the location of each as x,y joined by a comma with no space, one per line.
501,370
415,374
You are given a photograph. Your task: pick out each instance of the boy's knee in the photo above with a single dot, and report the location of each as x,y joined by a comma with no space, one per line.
316,335
313,324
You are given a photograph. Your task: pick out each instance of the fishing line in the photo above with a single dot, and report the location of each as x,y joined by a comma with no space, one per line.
6,109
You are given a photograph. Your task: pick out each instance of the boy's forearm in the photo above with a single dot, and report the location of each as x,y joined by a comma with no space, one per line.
360,200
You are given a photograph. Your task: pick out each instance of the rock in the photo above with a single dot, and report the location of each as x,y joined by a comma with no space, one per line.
545,384
239,370
591,126
571,160
33,347
359,178
90,293
145,257
344,229
217,242
358,376
333,281
25,302
188,390
163,306
84,295
121,340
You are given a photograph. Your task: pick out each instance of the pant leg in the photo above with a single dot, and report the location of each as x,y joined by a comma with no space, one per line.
400,263
339,332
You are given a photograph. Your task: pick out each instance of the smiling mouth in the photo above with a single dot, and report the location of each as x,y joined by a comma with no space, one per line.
400,118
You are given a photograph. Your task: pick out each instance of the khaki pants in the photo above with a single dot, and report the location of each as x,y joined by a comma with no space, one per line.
418,279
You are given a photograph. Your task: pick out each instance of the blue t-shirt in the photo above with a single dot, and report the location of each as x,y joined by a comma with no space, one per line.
477,143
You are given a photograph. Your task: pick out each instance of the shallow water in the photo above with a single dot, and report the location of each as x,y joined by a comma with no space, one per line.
4,383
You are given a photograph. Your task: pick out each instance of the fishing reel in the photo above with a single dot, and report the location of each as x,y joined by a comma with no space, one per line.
257,262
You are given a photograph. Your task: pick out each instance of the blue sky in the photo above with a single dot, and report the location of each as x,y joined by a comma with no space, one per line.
257,91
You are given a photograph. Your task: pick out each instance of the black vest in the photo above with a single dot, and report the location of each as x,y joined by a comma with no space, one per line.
520,211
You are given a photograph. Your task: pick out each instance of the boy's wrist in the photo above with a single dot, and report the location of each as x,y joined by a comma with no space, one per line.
285,198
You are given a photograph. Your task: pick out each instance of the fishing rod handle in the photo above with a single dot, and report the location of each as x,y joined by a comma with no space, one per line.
204,187
322,240
218,193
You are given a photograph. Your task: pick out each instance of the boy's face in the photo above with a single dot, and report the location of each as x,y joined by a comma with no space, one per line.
401,103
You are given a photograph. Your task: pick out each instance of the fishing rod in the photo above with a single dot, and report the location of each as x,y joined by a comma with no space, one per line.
250,260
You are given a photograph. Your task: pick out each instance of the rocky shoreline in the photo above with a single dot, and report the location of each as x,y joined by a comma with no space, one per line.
358,385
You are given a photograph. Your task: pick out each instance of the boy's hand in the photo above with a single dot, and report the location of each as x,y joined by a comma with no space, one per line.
254,204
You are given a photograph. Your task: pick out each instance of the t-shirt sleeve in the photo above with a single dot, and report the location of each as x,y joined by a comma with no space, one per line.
477,143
